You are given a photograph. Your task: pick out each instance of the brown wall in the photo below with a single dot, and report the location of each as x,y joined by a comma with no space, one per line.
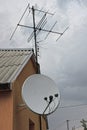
21,113
12,115
6,111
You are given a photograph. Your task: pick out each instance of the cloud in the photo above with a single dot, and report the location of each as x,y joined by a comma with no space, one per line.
67,64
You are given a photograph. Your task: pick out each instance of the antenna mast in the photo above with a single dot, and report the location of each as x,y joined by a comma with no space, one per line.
34,27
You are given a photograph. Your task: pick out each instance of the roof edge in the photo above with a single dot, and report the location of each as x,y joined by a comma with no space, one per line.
17,72
14,49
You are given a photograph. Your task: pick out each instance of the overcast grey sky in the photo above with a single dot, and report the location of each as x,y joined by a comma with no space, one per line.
64,61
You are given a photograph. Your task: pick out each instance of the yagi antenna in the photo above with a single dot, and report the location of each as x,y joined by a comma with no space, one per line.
38,28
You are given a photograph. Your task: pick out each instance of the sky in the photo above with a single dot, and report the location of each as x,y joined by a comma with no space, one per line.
64,61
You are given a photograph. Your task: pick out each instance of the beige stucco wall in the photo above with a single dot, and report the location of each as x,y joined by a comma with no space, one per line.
13,117
23,114
6,111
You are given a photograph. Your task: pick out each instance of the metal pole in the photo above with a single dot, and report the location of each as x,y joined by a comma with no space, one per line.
67,124
33,12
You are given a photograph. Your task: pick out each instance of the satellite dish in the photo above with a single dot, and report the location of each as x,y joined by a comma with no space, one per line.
40,94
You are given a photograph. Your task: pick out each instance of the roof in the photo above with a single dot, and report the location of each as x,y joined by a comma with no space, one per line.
12,62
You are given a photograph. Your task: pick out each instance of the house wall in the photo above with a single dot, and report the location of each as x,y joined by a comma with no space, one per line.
22,114
6,111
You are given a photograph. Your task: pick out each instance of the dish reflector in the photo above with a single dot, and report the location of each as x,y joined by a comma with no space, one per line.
40,94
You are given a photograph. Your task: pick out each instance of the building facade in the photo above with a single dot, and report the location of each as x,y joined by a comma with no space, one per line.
15,66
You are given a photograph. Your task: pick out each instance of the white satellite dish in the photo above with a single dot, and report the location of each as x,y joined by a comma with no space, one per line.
40,94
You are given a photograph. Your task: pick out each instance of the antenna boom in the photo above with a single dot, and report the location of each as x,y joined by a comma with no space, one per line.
46,30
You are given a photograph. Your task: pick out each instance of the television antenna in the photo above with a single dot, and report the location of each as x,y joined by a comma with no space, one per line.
38,28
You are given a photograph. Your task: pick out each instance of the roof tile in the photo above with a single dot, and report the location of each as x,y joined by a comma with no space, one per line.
12,60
